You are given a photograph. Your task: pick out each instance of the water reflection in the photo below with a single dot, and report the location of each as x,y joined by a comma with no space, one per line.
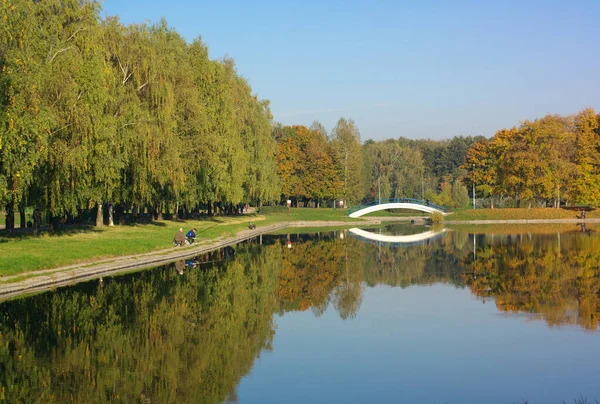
402,240
189,332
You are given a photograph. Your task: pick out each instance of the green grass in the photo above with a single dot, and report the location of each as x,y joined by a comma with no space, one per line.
312,214
28,217
23,253
519,214
507,228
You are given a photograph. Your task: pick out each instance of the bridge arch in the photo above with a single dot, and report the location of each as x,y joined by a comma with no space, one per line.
404,203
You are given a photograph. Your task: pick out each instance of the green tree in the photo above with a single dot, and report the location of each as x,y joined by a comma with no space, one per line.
460,195
586,185
346,142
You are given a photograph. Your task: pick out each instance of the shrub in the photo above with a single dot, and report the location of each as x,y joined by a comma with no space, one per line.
437,217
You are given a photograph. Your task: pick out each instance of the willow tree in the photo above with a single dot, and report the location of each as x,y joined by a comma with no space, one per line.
25,122
124,66
166,173
261,182
394,168
76,94
232,113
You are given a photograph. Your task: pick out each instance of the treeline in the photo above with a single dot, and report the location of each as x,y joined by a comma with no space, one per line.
552,161
94,113
316,168
97,114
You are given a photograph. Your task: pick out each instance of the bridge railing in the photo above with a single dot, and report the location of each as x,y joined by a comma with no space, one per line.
396,200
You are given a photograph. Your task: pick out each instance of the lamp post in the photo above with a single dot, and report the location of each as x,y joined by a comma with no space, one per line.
379,187
474,186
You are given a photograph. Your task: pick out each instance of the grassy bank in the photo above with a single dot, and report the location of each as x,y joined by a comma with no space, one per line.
23,252
544,228
519,214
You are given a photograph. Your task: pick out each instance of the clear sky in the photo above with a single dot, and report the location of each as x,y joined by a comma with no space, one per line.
418,69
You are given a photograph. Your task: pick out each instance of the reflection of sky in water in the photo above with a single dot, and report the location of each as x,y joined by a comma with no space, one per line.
423,344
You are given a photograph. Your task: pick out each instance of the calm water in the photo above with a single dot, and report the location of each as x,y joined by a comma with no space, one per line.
506,316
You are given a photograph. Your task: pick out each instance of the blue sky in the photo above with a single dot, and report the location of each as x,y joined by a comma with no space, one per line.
419,69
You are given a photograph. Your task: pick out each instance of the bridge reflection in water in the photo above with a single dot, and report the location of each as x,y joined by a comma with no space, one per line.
403,240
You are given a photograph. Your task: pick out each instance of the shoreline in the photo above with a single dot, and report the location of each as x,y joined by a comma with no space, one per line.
522,221
47,279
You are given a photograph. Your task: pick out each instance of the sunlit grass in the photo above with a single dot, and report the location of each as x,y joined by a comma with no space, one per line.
537,228
23,253
519,214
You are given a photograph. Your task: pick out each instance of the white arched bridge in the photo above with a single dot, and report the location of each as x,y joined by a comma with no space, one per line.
396,203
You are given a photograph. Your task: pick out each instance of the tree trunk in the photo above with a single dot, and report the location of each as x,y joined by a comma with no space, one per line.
54,223
23,218
37,220
111,221
100,216
166,205
159,215
120,214
210,208
151,212
10,217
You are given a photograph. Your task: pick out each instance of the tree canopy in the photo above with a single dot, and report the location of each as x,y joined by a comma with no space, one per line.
94,112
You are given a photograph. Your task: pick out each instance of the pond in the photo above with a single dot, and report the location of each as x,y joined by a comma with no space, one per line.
473,315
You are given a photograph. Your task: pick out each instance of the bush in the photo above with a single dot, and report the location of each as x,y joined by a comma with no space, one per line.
437,217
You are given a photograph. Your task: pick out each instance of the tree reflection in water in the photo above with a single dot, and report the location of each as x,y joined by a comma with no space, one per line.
158,336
